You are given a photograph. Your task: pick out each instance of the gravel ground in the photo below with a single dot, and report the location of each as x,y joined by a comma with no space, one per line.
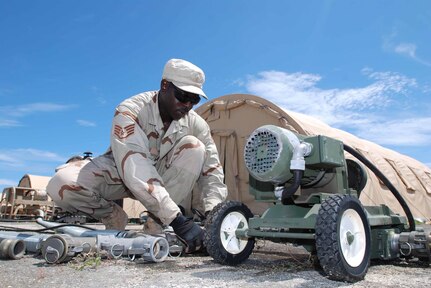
270,265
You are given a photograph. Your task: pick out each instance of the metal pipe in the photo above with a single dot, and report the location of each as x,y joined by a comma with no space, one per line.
116,242
60,248
12,249
32,241
150,248
77,231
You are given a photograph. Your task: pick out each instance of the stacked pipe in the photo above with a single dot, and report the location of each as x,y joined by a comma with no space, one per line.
13,245
60,248
75,240
71,241
149,248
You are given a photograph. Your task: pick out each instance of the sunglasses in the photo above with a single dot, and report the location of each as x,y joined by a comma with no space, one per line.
185,97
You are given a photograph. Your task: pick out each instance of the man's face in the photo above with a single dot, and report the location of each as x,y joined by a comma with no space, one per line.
178,103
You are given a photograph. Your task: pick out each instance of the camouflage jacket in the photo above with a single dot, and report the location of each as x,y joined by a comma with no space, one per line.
139,142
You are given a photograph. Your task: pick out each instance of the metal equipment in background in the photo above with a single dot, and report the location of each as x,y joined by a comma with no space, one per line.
21,202
315,192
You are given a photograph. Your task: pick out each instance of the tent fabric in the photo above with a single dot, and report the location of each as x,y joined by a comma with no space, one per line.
34,181
234,117
37,184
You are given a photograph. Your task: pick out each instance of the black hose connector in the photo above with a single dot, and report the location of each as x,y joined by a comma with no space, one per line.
286,195
379,174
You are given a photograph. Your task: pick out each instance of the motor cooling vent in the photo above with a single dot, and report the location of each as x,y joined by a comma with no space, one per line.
261,151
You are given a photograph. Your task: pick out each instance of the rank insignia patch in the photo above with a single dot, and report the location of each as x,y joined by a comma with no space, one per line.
124,132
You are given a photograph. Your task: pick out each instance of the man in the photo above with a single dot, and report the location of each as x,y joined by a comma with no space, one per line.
160,149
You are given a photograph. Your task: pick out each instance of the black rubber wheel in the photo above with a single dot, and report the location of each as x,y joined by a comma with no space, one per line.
343,238
220,240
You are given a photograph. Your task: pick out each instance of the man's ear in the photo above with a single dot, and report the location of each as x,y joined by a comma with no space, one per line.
164,84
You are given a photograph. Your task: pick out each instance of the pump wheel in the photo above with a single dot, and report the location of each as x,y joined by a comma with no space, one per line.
220,239
343,238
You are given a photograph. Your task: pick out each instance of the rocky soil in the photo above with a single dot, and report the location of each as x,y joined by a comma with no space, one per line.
270,265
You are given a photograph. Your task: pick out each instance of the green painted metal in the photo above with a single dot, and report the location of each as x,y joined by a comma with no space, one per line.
292,236
295,223
380,216
262,191
383,246
265,148
327,153
286,217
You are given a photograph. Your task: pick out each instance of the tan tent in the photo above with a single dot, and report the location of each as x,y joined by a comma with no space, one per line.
232,118
34,181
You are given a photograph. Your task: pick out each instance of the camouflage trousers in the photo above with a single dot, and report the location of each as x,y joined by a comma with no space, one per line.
91,186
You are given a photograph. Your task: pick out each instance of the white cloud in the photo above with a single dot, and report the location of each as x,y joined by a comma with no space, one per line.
5,157
299,92
16,158
27,161
359,110
9,113
390,81
406,49
7,182
14,163
9,123
409,50
23,110
402,132
86,123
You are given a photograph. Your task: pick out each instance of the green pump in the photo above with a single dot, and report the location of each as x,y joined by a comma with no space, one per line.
315,192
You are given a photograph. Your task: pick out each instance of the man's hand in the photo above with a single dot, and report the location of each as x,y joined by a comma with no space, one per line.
188,232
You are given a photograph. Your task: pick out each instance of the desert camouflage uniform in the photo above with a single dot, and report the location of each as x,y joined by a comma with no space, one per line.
159,168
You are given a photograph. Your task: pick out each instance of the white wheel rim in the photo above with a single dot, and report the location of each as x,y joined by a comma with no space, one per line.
231,243
352,238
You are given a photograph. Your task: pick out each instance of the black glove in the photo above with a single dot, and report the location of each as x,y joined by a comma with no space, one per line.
188,232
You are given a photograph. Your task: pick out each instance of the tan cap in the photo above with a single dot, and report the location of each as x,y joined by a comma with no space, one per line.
185,75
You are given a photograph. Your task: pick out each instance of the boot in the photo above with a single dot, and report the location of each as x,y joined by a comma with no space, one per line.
117,220
152,224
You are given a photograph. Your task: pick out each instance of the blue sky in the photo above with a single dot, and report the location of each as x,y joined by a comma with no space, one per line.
361,66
